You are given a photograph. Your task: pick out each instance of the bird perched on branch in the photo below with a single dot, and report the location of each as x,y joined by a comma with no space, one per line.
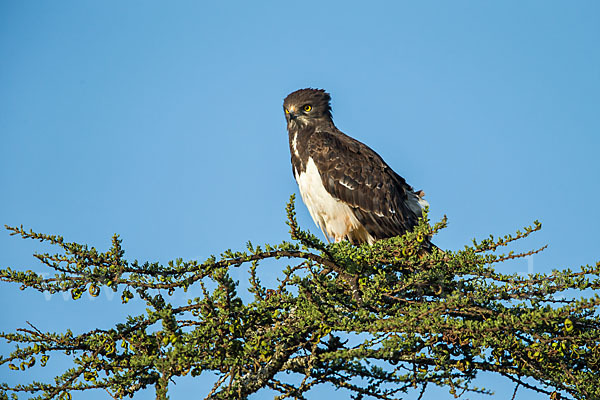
350,192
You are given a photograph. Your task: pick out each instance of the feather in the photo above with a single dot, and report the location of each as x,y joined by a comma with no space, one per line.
377,202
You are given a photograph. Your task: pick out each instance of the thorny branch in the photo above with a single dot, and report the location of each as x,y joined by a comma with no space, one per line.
378,321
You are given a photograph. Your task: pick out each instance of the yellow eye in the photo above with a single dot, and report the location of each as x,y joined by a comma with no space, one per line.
307,107
287,111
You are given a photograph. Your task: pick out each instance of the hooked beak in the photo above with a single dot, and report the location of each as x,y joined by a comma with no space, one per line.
291,113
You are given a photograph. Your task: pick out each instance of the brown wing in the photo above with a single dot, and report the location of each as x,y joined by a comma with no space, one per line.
358,176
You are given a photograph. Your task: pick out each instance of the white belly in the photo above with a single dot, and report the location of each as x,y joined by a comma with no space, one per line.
335,218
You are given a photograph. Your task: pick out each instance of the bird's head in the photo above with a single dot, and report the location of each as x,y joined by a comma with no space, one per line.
307,107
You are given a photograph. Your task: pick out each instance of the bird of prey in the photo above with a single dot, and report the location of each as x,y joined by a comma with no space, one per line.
350,192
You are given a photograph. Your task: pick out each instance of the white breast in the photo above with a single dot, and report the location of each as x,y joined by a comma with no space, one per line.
335,218
295,144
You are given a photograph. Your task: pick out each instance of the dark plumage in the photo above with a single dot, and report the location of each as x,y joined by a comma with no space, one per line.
350,192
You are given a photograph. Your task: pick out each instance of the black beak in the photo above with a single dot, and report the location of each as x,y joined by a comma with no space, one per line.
292,116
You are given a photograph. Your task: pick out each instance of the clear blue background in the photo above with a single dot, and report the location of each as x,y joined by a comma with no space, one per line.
162,121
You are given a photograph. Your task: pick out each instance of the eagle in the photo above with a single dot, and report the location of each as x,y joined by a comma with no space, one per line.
350,192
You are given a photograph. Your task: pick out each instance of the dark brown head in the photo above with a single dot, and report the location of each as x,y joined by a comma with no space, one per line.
307,107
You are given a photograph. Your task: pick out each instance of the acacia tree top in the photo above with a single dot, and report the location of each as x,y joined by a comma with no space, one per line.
378,321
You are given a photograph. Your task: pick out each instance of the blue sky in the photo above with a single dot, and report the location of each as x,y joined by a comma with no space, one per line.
163,123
